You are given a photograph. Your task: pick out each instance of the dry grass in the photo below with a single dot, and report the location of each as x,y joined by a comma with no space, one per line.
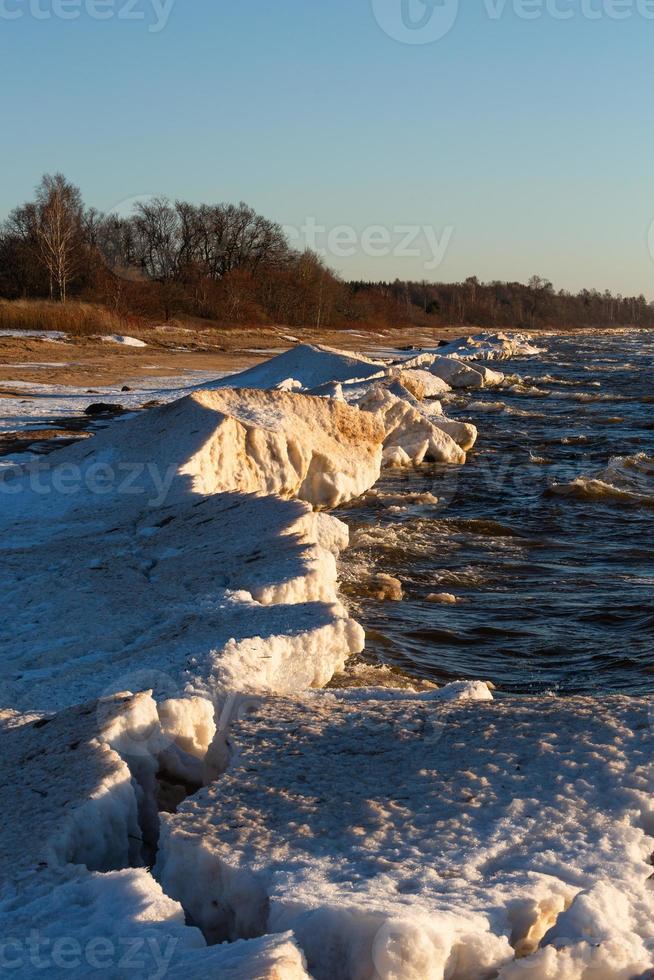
75,318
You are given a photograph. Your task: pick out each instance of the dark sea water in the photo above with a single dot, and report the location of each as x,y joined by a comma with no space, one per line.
545,536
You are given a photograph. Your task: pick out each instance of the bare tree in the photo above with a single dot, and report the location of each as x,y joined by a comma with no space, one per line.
157,233
58,230
21,272
175,241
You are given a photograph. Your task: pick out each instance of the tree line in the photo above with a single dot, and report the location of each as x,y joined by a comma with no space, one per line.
227,264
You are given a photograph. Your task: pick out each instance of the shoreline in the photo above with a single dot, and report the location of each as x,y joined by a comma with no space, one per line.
86,362
241,699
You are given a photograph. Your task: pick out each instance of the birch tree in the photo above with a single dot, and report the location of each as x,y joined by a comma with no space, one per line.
58,231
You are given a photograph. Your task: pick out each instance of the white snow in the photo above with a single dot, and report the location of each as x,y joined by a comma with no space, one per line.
320,450
37,405
433,386
151,552
409,435
403,835
491,347
394,393
317,449
491,378
70,795
80,787
54,336
309,366
116,338
230,591
415,427
464,434
368,833
39,364
456,373
122,925
314,367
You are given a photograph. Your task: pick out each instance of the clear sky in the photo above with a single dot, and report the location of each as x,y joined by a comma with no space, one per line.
523,145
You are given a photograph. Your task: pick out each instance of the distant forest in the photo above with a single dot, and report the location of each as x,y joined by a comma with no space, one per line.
227,264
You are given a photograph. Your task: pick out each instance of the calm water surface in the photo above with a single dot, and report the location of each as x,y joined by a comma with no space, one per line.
545,536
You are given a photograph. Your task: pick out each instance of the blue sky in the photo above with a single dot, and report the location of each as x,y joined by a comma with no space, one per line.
525,145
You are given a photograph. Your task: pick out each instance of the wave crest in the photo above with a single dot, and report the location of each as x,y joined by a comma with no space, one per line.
626,479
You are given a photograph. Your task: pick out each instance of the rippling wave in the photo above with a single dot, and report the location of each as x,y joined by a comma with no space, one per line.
544,538
627,479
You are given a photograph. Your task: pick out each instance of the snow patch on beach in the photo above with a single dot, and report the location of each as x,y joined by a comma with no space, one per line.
226,440
189,566
309,366
415,429
31,404
123,341
455,372
54,336
492,347
342,834
83,810
410,437
411,835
